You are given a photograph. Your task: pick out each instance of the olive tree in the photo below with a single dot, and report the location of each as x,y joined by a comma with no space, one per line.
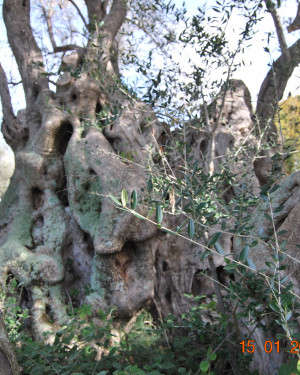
62,236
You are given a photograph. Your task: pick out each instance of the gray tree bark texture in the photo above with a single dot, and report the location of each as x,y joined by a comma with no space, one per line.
8,361
60,231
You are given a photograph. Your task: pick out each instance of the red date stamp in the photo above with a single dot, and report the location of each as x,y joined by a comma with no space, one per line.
269,347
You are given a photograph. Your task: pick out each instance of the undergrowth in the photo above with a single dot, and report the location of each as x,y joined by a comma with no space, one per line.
86,345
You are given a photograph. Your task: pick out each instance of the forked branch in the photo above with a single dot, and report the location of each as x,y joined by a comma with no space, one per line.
104,33
279,30
273,86
114,20
96,9
56,48
28,55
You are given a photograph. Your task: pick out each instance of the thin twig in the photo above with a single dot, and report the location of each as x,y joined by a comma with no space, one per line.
80,14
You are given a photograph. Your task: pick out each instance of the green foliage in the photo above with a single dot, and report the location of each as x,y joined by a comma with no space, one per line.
86,345
259,298
14,315
204,341
197,193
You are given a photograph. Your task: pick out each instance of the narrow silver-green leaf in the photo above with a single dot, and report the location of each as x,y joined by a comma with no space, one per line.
230,266
251,263
284,279
280,233
219,248
191,228
181,225
274,188
278,209
150,185
289,315
150,212
165,192
115,200
195,168
133,202
187,180
205,254
274,306
215,238
124,197
159,215
270,265
244,253
268,217
283,245
178,201
200,206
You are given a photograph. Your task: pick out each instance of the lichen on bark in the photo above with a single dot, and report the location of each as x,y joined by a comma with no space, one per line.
61,234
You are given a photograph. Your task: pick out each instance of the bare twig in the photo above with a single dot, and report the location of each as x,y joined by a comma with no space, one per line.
67,47
79,12
47,17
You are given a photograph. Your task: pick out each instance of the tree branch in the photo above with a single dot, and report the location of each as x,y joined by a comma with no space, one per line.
28,55
101,45
273,86
49,26
96,9
270,93
56,48
67,47
279,30
114,20
112,23
11,128
296,23
80,14
9,118
8,112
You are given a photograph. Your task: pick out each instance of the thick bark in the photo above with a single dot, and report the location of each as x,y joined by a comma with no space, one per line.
60,231
7,165
96,9
16,15
273,86
270,93
102,43
279,30
8,361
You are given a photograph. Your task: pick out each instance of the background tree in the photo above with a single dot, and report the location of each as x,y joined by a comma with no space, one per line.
289,120
62,237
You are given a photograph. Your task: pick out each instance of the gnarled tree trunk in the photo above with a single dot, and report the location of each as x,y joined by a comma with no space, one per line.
60,231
